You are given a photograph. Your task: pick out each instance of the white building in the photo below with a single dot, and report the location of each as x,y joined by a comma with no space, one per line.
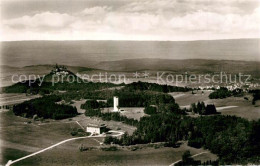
116,104
96,129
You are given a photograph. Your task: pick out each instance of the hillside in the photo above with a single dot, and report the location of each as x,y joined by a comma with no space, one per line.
198,66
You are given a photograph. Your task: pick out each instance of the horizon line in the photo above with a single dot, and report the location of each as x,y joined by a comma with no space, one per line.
1,65
132,40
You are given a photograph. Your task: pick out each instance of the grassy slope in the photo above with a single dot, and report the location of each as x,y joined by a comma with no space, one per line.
20,139
147,156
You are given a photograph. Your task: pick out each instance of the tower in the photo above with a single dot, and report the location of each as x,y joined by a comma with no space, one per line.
116,104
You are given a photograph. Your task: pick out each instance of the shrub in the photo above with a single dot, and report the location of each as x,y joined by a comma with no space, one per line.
150,110
112,148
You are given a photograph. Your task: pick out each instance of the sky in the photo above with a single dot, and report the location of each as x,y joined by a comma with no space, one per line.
163,20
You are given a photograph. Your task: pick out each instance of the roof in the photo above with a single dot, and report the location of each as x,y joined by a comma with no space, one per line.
96,125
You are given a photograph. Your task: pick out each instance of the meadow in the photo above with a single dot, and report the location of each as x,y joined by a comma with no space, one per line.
20,138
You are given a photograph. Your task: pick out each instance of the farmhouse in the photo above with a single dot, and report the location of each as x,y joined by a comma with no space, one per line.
96,129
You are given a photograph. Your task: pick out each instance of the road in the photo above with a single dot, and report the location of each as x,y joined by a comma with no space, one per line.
10,162
191,156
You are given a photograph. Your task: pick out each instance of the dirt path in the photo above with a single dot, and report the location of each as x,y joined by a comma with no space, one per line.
80,125
225,107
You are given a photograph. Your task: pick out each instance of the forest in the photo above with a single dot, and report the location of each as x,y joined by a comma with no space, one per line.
233,139
45,107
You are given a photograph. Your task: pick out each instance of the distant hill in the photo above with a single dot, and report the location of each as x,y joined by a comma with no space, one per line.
89,53
7,72
192,65
126,65
39,69
198,66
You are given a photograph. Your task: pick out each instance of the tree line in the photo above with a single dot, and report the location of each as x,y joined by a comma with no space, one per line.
142,86
203,109
224,93
48,87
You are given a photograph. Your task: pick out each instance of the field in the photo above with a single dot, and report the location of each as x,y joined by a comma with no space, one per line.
184,99
14,98
152,156
237,106
77,104
17,135
133,112
130,112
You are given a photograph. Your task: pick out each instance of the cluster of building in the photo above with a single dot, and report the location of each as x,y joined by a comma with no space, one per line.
232,87
60,70
254,85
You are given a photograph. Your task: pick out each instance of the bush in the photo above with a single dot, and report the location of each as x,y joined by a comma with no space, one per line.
74,133
90,104
81,130
83,148
112,148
